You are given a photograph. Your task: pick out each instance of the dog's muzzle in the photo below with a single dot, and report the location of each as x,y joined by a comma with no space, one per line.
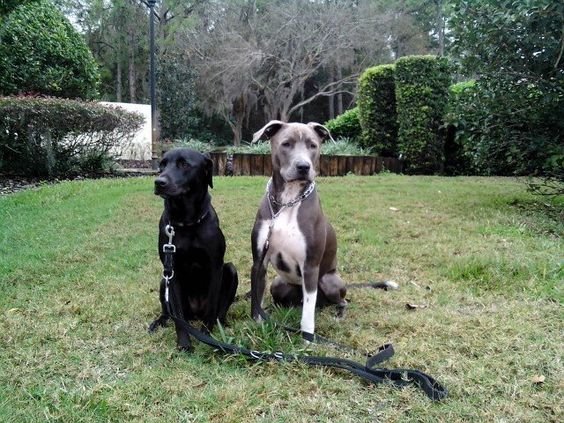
161,185
300,171
166,188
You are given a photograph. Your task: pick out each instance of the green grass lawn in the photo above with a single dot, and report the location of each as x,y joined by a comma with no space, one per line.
79,277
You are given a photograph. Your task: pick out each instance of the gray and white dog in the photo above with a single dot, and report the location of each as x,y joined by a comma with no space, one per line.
291,232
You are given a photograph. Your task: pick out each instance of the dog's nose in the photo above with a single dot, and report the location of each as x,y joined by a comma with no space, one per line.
160,182
303,168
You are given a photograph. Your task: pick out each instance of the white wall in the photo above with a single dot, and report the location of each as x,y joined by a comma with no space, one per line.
139,148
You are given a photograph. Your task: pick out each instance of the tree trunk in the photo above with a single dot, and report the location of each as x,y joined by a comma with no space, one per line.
237,134
441,28
301,108
118,81
339,95
236,129
331,99
132,82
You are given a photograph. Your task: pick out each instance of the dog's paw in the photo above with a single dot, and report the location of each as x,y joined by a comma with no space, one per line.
341,308
185,347
160,322
258,319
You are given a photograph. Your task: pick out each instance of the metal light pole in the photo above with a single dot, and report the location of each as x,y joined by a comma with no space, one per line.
152,84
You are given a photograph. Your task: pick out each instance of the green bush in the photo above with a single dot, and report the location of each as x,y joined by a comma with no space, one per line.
346,125
486,137
377,110
52,137
519,136
41,52
194,144
343,147
458,158
6,6
513,122
421,98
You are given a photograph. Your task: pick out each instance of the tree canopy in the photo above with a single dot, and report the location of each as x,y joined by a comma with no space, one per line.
250,60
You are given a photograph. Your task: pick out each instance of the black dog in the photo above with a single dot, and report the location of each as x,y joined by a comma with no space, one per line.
203,287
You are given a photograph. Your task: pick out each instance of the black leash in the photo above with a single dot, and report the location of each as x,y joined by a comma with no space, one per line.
368,371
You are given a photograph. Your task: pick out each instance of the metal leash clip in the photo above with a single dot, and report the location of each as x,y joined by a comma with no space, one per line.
170,247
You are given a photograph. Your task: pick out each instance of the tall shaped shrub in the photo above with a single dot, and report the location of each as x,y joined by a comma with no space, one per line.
421,99
41,52
458,148
377,110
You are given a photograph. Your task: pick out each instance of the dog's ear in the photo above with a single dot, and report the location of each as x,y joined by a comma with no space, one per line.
268,130
321,130
209,170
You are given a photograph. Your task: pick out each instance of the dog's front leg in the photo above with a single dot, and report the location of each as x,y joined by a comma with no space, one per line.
258,282
311,275
259,244
216,279
163,318
183,341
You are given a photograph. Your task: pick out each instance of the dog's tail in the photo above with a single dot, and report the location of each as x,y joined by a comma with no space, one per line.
385,285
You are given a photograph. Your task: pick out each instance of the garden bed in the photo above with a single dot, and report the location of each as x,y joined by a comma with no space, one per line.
239,164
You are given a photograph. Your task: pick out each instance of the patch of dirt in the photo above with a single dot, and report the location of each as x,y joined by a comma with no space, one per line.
10,184
134,164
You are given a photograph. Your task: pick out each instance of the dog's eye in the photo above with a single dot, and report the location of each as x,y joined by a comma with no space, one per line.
183,164
286,144
312,146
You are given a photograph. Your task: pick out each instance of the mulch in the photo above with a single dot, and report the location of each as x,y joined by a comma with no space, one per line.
10,184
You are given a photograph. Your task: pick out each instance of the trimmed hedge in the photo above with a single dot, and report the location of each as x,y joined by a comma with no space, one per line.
458,158
421,99
346,125
41,53
377,110
52,137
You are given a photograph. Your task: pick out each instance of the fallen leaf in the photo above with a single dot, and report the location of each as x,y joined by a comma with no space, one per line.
538,379
410,306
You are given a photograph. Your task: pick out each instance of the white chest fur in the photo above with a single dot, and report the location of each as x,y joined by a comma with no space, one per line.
287,244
